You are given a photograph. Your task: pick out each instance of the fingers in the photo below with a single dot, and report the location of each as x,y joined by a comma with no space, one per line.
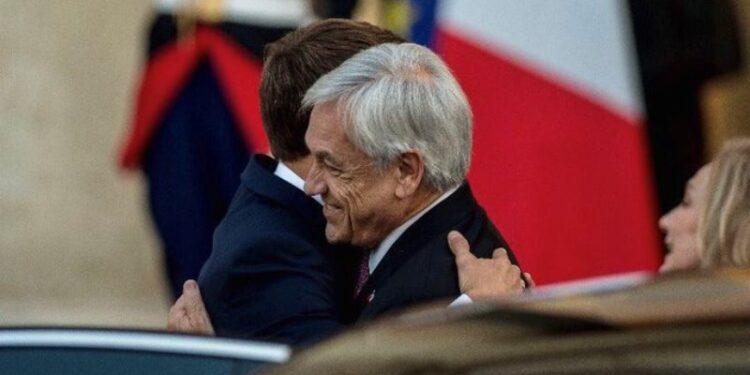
178,319
458,243
519,286
512,272
460,248
176,315
482,278
514,279
500,258
193,303
509,273
188,314
530,281
190,286
499,253
192,297
512,275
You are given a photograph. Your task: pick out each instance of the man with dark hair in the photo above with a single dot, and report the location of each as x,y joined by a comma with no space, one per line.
271,274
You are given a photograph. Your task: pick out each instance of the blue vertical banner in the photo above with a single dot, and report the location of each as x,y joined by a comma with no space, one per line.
413,19
423,22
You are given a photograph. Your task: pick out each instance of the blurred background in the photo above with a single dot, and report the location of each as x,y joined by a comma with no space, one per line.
76,245
79,244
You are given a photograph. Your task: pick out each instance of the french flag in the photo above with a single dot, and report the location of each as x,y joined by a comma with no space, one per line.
560,158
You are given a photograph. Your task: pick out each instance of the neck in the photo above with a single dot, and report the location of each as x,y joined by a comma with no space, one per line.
300,167
430,199
422,199
397,216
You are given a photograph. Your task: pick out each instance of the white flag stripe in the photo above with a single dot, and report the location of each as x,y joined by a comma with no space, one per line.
586,45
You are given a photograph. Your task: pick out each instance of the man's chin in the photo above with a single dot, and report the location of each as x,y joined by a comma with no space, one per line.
334,236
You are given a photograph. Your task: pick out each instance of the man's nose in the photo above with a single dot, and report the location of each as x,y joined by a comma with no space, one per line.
314,184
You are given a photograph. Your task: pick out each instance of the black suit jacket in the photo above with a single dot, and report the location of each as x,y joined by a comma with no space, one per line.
271,274
420,267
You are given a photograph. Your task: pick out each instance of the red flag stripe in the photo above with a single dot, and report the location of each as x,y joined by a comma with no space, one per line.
168,71
566,179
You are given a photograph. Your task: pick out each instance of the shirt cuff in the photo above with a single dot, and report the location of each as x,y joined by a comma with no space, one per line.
464,299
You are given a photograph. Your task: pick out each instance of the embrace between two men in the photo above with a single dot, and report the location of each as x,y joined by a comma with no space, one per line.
377,132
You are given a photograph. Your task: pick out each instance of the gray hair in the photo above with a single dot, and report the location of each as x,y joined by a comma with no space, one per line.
394,98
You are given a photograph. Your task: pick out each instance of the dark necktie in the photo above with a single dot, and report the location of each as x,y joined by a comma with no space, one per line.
363,273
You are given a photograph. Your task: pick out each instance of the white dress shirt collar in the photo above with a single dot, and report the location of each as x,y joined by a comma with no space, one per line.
382,249
283,172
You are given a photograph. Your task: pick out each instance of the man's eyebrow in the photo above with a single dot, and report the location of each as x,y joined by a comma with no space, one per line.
326,156
320,155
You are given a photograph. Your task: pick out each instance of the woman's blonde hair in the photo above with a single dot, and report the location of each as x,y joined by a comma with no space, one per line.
725,224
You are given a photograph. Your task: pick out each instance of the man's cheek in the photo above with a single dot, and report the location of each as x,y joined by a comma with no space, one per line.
353,194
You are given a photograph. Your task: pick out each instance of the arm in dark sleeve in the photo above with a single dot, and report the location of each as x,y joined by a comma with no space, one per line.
281,289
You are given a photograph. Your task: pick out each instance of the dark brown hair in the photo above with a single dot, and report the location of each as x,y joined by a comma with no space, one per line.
294,62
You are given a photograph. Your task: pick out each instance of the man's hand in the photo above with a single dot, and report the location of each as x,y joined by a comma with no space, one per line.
485,278
529,280
189,315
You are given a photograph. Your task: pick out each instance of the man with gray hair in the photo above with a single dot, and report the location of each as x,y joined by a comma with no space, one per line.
390,142
390,136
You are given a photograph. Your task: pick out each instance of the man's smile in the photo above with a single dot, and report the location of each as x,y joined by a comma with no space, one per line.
330,210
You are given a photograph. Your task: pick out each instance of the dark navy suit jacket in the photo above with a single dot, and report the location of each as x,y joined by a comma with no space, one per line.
271,274
420,267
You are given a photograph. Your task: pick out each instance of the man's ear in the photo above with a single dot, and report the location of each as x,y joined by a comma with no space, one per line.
410,171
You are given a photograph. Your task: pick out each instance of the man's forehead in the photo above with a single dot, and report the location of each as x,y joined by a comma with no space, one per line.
327,139
325,126
323,118
313,128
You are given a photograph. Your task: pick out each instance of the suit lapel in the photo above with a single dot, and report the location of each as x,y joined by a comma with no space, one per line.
446,215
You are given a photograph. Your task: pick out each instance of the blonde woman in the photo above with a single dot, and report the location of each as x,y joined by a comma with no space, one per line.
711,227
680,225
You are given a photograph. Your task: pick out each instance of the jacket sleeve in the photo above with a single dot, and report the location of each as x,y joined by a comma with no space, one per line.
280,289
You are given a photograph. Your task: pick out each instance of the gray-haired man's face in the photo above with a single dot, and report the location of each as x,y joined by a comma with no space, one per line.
361,206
